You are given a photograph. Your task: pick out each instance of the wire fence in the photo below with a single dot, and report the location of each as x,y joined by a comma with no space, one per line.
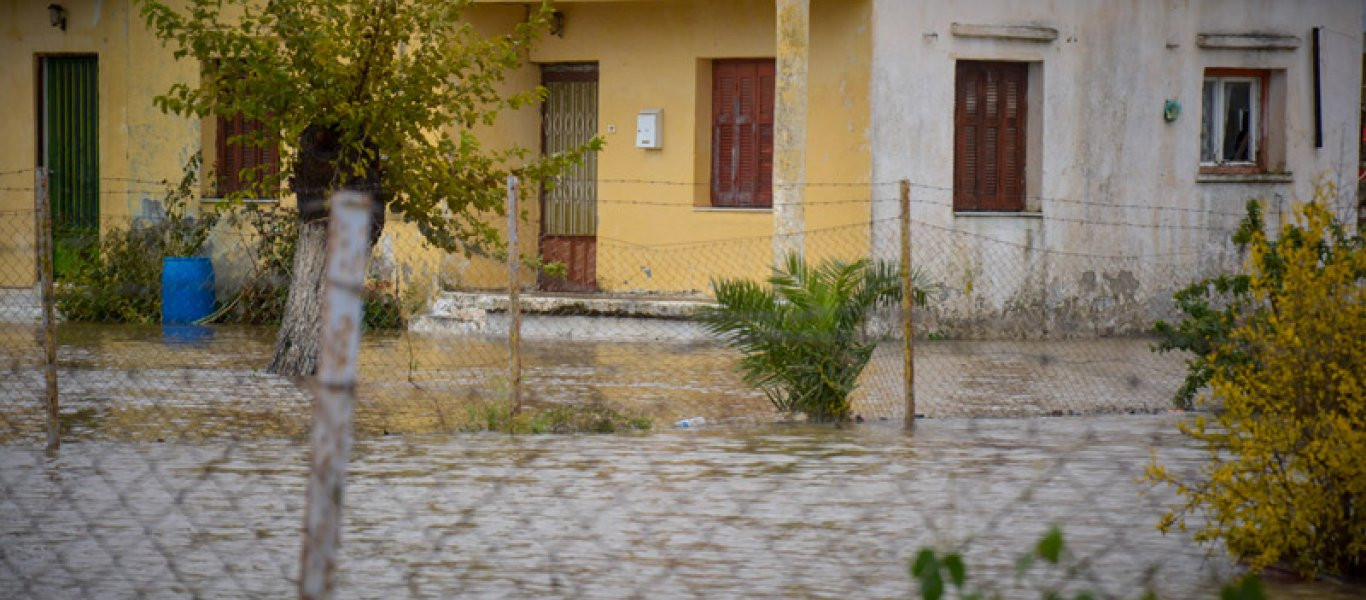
184,458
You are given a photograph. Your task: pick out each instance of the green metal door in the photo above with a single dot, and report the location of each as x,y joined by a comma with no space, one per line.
70,151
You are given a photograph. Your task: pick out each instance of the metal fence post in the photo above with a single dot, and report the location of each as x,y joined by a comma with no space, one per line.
44,214
514,302
347,250
907,303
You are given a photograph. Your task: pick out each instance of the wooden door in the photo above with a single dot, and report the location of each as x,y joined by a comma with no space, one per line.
569,212
69,147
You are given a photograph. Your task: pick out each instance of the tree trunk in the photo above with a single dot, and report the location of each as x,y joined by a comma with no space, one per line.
296,344
317,172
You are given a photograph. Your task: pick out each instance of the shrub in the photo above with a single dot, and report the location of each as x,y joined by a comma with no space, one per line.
594,417
1286,476
1214,306
275,232
264,292
936,572
119,279
803,337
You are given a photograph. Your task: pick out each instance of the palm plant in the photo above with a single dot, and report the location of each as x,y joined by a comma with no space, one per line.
802,337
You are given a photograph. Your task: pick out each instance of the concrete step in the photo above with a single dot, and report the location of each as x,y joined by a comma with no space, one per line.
568,317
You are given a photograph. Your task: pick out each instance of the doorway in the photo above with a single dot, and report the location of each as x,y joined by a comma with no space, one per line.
68,145
569,212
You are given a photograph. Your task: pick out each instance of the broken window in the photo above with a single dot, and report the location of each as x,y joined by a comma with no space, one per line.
1231,127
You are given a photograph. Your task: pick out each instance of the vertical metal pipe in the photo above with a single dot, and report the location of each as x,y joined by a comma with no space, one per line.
347,249
907,303
514,303
44,235
1318,91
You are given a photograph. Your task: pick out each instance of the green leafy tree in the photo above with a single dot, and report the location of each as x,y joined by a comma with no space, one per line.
803,336
379,95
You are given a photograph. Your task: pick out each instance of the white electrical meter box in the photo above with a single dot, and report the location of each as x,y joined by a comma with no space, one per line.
650,129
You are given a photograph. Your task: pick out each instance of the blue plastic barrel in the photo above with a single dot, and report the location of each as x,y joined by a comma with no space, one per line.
186,290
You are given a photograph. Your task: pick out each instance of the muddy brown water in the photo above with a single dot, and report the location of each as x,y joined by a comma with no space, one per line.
123,382
775,511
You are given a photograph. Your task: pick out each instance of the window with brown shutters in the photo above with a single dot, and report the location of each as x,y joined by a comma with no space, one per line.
234,157
742,133
989,136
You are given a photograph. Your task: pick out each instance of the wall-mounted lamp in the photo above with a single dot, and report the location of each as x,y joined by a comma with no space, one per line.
557,23
56,16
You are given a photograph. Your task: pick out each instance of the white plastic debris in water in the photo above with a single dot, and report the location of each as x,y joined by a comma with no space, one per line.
689,423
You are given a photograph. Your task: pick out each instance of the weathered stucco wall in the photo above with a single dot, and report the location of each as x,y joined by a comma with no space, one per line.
1120,218
137,143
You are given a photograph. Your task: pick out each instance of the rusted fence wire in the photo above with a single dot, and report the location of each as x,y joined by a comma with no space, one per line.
185,465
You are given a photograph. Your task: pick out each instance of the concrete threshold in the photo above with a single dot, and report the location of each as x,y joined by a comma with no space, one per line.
568,317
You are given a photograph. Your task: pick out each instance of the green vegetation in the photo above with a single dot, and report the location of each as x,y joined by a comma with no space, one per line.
803,336
1285,482
384,96
1215,306
119,280
273,234
935,572
569,418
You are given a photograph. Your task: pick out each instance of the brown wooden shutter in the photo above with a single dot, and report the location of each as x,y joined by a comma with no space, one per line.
742,133
232,158
989,136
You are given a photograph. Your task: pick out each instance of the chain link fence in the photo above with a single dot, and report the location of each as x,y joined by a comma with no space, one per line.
184,460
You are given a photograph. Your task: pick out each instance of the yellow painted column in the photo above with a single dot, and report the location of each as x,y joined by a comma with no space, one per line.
789,126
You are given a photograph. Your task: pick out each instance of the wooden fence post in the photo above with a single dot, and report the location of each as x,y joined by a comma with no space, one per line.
907,303
44,214
514,302
347,251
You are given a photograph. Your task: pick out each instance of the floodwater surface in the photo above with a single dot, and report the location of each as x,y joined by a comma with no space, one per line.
776,511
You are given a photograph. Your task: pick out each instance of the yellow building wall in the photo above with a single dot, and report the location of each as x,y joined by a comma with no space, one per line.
138,145
656,232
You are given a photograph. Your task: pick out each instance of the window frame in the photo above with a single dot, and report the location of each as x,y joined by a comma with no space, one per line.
1261,80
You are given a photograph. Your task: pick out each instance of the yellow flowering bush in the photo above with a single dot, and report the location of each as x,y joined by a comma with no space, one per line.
1285,482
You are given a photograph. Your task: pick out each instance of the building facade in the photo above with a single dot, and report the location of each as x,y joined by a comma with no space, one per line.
1073,162
1068,164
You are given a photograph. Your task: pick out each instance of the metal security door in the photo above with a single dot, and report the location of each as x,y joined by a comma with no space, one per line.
569,213
70,151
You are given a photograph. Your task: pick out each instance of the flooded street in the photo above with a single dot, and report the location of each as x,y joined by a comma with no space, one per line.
764,512
121,382
183,469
